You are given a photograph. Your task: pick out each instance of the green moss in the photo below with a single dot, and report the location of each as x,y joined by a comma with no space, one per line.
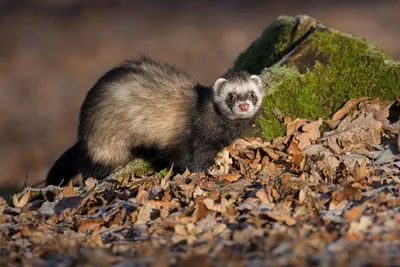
268,48
275,42
163,172
353,69
138,167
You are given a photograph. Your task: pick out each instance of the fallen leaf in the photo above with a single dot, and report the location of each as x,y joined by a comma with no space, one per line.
354,213
23,201
230,177
90,225
355,237
281,217
293,126
310,133
90,183
69,191
352,192
200,212
347,108
262,195
2,219
167,177
359,128
145,213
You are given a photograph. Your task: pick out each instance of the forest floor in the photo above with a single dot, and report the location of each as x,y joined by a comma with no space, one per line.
328,193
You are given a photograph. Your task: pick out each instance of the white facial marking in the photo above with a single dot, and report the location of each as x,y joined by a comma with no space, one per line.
256,79
225,87
218,83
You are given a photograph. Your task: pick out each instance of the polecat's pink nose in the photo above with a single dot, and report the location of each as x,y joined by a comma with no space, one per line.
244,107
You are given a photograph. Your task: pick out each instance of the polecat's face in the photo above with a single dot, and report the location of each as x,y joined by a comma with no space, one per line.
239,97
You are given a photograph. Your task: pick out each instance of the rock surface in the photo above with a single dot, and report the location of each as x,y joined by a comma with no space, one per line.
311,70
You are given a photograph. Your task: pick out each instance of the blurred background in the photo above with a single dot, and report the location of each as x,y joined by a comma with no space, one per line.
53,51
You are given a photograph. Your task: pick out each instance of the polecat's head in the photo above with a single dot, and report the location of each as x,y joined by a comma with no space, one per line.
239,95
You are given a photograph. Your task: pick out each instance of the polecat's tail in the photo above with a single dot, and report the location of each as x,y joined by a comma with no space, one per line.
66,166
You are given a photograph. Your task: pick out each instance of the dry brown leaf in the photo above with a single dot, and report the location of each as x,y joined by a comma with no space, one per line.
90,225
281,217
119,217
159,204
355,237
293,126
145,213
338,197
352,192
142,196
230,177
180,229
257,141
360,170
249,154
264,198
240,144
359,128
69,191
200,212
23,201
209,203
170,223
90,183
186,172
167,177
380,108
298,157
394,202
293,149
270,152
347,108
302,196
133,216
354,213
310,133
223,160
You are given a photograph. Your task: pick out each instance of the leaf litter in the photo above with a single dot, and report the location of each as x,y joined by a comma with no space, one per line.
317,196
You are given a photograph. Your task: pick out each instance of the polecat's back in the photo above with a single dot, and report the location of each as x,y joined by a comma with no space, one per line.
143,102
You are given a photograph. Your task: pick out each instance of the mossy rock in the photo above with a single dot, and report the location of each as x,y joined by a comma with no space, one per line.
311,70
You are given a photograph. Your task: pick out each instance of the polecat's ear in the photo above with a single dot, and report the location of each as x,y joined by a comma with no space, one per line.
256,79
218,83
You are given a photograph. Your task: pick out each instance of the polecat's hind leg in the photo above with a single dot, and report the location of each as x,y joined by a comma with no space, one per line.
97,171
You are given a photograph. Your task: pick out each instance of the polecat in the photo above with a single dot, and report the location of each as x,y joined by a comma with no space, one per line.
145,108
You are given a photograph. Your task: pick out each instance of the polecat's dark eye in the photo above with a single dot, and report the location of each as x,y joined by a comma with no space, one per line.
252,96
231,97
